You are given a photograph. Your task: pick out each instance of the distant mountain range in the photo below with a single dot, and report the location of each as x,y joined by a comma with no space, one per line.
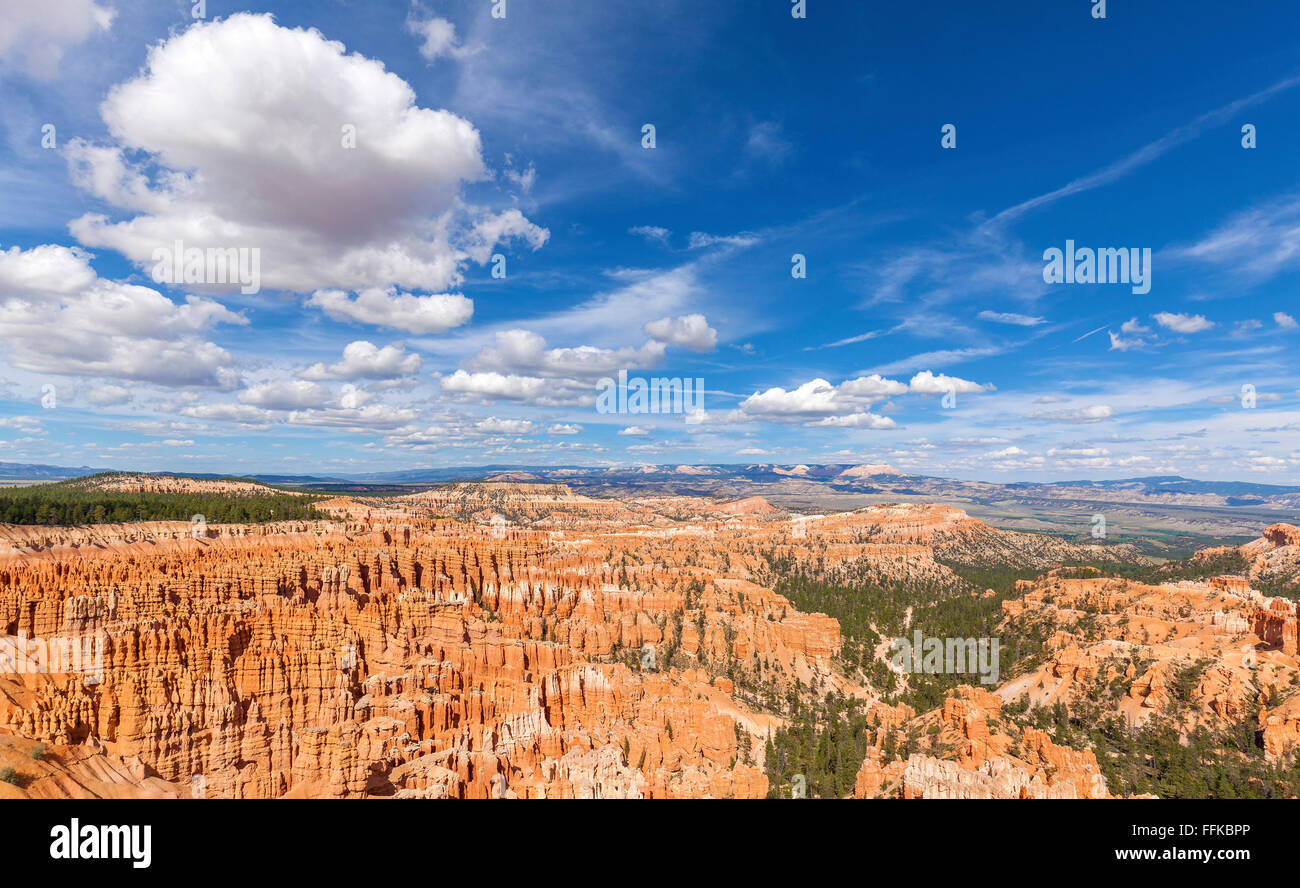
1177,484
35,472
849,474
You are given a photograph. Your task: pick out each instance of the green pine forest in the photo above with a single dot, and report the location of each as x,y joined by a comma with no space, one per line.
77,502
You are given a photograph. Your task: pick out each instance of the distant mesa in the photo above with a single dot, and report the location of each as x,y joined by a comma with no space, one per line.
513,476
824,472
125,482
866,470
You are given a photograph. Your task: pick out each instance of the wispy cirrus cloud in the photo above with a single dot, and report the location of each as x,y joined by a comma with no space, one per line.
1255,244
1147,154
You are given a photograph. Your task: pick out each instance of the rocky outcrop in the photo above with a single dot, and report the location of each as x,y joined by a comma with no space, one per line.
1210,653
1281,729
84,771
143,537
926,777
983,756
1273,559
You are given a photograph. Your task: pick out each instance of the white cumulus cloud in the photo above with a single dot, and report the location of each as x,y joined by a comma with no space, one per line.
927,383
690,331
57,316
401,311
242,133
364,360
1182,323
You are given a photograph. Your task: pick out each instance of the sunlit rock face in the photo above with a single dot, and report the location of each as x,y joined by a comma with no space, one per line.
390,653
519,640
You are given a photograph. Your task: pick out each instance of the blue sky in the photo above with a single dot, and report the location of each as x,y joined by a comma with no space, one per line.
380,340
